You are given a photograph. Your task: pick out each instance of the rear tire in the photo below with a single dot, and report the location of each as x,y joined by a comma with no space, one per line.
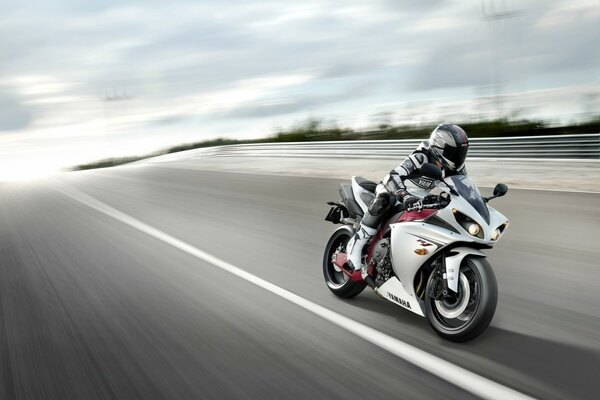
337,281
467,316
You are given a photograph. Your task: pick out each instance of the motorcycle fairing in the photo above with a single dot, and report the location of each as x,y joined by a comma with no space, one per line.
396,292
408,237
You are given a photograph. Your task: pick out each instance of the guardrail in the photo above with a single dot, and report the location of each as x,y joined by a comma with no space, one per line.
567,147
555,147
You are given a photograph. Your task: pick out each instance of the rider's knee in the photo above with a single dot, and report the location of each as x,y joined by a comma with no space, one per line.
381,204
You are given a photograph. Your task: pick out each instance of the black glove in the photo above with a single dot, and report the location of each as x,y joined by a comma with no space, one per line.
410,200
431,199
401,195
406,198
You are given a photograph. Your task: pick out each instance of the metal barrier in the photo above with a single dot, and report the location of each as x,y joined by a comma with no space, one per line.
554,147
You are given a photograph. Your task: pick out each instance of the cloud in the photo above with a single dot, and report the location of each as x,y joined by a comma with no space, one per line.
412,5
274,105
351,68
218,66
171,120
13,114
454,65
515,50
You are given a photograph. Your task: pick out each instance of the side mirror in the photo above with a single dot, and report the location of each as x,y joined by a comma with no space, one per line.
500,190
431,171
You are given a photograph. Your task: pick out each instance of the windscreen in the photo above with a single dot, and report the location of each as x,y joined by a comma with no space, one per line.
468,191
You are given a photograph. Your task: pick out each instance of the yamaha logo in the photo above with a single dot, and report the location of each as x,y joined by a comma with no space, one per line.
424,183
400,301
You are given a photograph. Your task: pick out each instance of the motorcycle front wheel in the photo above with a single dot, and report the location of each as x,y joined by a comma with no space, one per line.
465,315
337,281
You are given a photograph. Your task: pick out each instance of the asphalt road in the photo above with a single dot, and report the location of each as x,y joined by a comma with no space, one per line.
92,308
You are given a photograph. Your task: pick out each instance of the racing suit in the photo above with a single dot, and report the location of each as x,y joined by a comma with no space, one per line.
392,188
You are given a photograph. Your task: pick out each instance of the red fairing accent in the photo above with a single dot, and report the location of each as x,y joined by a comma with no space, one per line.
407,216
341,260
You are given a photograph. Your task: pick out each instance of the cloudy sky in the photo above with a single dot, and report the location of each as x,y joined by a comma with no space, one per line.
83,80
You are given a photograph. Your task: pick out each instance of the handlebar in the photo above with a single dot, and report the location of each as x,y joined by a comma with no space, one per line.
432,202
419,207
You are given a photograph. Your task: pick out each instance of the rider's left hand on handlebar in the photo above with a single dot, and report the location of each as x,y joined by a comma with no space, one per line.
410,201
413,203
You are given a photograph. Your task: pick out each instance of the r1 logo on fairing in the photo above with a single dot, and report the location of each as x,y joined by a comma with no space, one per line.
398,300
423,243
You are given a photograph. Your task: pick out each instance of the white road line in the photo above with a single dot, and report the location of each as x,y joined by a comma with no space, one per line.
465,379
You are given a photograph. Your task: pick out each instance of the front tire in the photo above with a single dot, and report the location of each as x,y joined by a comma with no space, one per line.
337,281
469,313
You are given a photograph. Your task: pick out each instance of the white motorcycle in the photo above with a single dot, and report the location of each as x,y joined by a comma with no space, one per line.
425,258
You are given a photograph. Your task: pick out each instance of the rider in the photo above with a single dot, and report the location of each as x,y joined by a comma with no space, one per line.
447,148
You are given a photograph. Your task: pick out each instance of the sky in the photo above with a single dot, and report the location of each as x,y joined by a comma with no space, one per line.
86,80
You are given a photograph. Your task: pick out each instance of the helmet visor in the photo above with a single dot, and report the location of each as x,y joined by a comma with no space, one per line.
456,155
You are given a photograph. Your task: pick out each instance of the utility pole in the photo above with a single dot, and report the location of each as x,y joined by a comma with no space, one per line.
106,97
493,11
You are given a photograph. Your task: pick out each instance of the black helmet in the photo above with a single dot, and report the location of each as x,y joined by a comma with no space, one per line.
449,144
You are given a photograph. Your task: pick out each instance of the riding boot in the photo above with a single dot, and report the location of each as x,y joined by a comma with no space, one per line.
355,246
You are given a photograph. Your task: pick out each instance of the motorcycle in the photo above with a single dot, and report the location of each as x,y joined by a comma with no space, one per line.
425,258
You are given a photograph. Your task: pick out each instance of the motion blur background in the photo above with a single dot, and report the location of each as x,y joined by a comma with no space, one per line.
97,298
82,81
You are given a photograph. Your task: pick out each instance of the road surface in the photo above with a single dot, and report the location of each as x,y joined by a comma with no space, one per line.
94,308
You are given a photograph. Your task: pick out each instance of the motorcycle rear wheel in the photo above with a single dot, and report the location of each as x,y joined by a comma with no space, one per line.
469,313
337,281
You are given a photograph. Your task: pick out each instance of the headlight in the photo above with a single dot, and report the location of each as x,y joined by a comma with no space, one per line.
474,229
496,234
468,224
499,230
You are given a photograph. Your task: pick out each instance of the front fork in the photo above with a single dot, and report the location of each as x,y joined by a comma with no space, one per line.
439,287
447,271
